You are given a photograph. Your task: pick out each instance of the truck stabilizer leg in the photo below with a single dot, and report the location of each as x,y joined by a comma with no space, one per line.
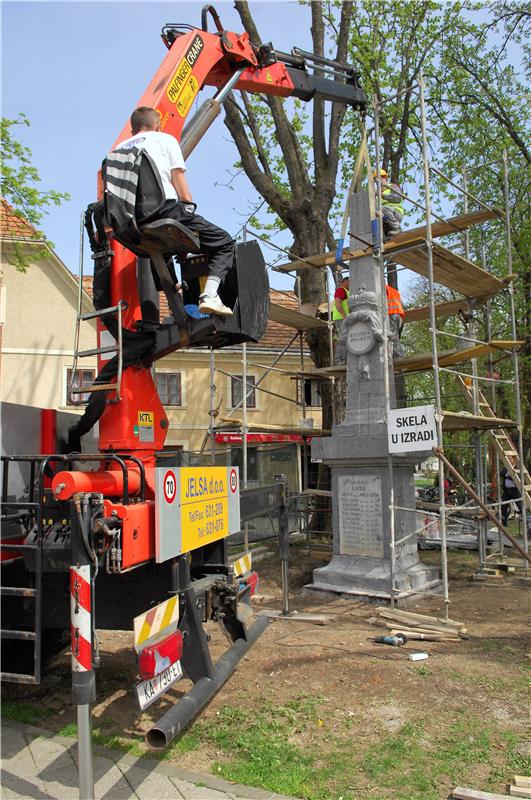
180,715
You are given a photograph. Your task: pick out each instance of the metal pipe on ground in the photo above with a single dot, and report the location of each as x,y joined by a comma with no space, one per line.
180,715
469,490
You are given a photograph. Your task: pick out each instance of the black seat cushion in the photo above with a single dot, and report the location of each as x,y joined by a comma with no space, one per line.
169,237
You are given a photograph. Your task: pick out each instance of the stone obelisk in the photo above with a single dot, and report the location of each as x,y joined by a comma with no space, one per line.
357,452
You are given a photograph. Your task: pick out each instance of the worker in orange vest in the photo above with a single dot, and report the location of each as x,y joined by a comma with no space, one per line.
396,312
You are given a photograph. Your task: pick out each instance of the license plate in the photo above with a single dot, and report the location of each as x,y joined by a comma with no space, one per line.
148,691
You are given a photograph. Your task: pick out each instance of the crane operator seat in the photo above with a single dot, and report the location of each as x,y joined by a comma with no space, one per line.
133,199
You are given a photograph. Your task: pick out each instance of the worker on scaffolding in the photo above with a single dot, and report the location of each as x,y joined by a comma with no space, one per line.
396,313
340,311
392,207
510,491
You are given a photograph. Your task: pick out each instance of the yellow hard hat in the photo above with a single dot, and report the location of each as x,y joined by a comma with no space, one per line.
383,173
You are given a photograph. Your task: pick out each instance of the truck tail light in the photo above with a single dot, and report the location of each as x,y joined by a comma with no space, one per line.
155,658
252,581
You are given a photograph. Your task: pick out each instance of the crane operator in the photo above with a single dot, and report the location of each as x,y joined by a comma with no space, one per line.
216,243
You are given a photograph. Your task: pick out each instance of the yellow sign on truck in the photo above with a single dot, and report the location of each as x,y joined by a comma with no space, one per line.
194,507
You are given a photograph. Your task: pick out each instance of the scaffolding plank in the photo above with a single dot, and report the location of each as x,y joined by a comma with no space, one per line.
446,309
461,222
254,427
420,362
294,318
453,271
423,362
463,421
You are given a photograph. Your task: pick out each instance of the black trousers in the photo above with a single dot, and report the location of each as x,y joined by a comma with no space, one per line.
216,243
510,493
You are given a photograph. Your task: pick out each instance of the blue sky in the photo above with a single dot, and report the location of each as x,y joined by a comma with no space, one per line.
77,70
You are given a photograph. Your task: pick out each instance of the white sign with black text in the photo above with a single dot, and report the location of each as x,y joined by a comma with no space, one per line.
412,429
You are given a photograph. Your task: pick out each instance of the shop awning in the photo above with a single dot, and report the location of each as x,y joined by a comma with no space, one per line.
259,438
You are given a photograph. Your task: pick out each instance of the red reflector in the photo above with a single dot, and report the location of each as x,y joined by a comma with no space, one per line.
155,658
252,581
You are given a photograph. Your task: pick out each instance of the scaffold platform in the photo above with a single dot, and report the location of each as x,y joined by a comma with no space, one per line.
412,236
295,318
418,363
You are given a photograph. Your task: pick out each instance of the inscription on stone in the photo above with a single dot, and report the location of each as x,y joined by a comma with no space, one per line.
359,338
360,515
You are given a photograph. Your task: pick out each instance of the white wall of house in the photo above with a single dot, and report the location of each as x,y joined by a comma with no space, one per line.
40,307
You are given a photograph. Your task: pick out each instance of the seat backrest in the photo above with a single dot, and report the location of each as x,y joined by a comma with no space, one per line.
133,192
149,192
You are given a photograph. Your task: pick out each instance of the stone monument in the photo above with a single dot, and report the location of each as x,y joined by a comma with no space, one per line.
357,452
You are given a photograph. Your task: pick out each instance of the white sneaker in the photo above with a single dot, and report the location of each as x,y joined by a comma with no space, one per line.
213,305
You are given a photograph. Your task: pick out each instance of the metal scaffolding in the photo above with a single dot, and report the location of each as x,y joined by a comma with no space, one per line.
416,250
472,388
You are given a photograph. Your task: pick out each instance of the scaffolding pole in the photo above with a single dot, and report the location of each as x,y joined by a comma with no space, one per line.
478,461
493,400
385,328
245,427
433,326
516,366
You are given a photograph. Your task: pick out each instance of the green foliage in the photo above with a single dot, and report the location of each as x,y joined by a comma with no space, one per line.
262,751
22,712
70,729
19,181
288,749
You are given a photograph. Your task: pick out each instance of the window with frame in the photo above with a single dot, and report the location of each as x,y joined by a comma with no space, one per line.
312,393
169,388
236,393
82,378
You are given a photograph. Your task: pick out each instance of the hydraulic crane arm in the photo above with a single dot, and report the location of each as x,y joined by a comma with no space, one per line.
198,58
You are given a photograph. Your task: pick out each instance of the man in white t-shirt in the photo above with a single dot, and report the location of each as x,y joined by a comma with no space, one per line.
216,243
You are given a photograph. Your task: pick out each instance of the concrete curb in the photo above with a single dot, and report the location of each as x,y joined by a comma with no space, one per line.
149,765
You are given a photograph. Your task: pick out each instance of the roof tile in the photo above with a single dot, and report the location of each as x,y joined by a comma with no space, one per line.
11,225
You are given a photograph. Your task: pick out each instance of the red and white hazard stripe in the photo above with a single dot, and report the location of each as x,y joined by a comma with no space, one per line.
80,619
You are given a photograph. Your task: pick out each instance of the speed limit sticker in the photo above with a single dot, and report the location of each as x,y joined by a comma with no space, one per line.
233,480
170,486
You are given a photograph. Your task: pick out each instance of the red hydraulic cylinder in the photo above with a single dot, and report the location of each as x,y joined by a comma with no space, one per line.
109,482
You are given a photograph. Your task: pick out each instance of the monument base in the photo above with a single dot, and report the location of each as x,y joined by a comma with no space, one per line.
369,579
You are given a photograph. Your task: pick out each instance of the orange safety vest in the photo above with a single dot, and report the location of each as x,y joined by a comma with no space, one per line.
394,301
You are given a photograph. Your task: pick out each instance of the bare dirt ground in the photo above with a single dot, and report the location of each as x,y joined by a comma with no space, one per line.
363,690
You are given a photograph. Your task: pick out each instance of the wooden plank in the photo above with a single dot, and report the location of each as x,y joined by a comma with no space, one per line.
461,793
430,631
294,616
519,791
254,427
522,780
293,318
422,361
462,421
453,271
447,309
449,358
462,222
412,616
421,636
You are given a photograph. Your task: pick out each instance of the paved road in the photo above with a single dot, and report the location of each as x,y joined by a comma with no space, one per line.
38,764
